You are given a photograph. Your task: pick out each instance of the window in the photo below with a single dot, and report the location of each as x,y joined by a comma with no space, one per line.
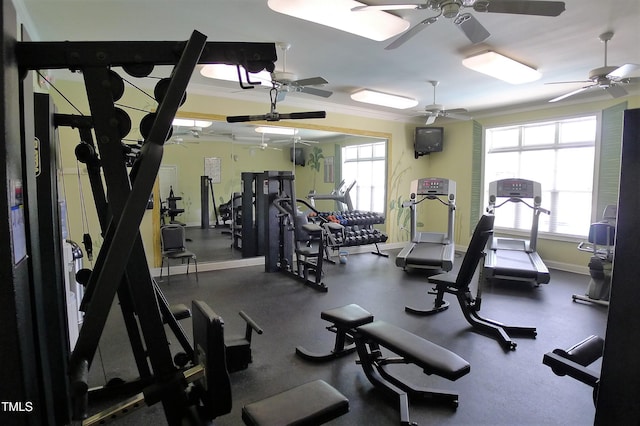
560,155
365,164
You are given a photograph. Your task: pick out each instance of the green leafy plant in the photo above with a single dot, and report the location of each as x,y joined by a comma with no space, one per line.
314,162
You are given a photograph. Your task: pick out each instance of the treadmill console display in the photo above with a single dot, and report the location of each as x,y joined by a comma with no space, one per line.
432,186
520,188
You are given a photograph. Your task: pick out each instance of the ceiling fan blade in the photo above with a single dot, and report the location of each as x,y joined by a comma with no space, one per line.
471,27
616,91
403,38
312,81
625,70
525,7
317,92
431,118
569,82
457,111
386,7
575,92
456,115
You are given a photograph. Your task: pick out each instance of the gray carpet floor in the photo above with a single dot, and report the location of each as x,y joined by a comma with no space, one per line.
503,387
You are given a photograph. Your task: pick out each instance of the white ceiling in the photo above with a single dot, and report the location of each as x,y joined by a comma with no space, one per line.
563,48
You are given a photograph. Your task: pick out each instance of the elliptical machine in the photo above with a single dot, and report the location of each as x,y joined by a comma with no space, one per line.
600,243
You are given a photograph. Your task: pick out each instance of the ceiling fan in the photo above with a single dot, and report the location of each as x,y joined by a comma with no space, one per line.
192,131
470,26
297,140
609,78
262,145
435,110
287,82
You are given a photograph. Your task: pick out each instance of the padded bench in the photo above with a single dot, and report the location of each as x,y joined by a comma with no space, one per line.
433,359
343,321
312,403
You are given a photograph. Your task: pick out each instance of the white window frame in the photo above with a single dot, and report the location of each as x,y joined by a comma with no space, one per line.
358,188
546,203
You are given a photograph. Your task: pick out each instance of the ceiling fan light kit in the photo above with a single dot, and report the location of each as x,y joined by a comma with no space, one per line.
374,24
383,99
499,66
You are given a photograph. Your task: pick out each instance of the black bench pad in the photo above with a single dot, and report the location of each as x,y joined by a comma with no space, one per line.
348,316
433,359
313,403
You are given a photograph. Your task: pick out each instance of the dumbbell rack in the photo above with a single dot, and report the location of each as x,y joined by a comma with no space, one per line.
358,230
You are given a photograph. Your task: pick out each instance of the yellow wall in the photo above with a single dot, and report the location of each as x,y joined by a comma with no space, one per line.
455,162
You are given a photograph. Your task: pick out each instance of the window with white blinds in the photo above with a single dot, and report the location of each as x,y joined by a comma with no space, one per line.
365,164
558,154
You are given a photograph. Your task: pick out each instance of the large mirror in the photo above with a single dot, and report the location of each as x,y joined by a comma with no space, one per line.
206,159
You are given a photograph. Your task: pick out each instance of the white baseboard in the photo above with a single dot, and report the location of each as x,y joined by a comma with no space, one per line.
257,261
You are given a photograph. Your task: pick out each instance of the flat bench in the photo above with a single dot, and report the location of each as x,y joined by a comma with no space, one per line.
411,349
310,404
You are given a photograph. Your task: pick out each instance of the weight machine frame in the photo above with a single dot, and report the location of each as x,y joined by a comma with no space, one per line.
121,258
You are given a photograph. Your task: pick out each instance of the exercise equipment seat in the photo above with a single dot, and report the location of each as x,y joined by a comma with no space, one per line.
344,320
573,362
312,403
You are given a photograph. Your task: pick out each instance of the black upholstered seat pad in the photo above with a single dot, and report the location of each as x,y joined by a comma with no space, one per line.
308,404
433,359
347,316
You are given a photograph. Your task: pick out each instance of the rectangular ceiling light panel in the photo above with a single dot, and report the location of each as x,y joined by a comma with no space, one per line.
383,99
502,68
375,25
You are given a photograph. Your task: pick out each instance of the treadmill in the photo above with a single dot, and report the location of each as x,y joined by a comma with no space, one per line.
516,259
430,250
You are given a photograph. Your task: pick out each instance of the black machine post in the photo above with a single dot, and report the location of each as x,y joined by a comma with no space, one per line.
122,253
206,188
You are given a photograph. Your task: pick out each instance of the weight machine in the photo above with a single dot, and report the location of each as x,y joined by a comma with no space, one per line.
289,233
121,265
206,188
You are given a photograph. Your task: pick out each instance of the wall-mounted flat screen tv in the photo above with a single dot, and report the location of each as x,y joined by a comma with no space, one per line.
297,156
427,140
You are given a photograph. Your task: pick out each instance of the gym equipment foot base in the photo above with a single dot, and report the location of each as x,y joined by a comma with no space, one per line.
424,312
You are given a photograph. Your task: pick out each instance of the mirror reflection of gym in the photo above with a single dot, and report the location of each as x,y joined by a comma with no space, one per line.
230,149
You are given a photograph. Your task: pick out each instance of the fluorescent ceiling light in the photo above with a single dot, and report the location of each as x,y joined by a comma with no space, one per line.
384,99
272,130
230,73
187,122
373,24
501,67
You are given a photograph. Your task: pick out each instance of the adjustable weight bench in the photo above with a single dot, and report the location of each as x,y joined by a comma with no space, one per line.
344,320
356,329
411,349
312,403
458,285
